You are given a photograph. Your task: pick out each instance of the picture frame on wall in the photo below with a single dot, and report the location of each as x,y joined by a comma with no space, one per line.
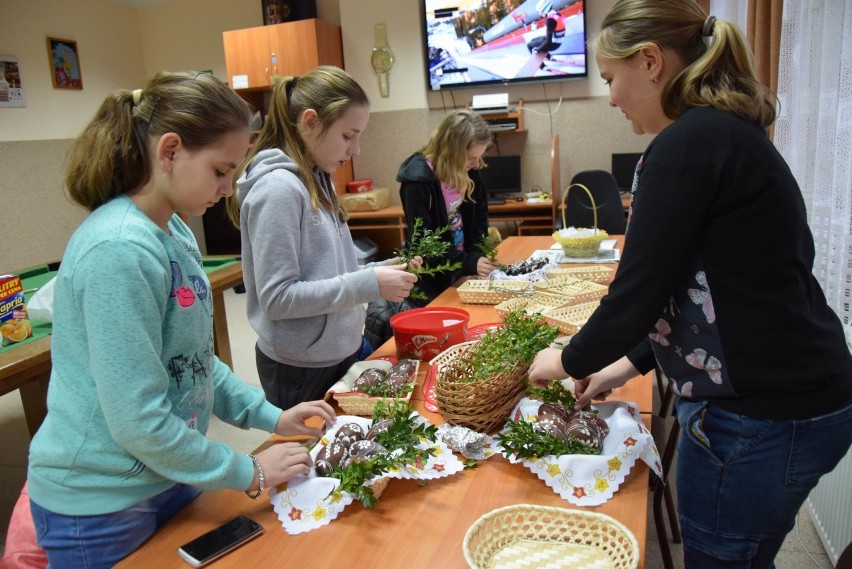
64,64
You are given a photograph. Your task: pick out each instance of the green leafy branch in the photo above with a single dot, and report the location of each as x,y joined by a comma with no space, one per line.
522,438
554,392
489,249
426,244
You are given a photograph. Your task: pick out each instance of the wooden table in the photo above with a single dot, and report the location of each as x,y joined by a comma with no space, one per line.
414,525
27,367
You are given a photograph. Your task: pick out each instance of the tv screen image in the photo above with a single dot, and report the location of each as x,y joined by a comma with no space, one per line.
481,42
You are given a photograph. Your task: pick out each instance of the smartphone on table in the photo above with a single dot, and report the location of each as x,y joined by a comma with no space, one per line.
219,541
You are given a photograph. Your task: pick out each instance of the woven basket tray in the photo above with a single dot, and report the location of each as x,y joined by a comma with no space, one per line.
530,303
357,403
569,319
526,535
595,274
578,291
580,246
490,291
481,405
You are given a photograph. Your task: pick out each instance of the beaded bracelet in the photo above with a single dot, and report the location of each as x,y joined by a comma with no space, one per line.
260,480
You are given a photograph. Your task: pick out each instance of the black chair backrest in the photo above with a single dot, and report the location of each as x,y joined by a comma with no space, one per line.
604,188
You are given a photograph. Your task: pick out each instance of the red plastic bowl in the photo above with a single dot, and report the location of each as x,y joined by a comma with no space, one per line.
423,333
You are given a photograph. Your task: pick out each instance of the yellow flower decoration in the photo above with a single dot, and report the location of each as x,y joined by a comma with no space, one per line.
614,463
319,514
336,496
601,484
553,469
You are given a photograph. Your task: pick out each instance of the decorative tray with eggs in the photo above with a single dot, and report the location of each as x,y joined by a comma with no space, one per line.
613,430
355,459
370,381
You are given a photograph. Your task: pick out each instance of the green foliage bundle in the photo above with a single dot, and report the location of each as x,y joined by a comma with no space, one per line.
427,244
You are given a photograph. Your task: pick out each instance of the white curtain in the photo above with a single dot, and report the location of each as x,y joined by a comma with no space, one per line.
814,134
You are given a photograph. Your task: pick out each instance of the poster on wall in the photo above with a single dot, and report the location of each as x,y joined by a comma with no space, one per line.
11,88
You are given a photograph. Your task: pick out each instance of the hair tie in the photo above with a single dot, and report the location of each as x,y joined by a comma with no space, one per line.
292,85
707,31
137,96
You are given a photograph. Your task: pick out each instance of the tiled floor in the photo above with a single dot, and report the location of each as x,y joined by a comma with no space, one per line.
15,439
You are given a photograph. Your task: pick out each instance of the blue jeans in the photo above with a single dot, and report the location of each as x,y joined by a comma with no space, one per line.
88,542
741,481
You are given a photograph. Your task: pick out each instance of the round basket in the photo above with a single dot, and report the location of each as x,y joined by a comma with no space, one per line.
580,246
479,405
527,535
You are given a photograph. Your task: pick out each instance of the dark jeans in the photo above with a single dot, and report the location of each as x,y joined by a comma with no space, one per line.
286,386
741,481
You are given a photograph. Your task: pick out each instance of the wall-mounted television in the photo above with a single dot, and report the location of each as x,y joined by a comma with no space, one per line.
471,43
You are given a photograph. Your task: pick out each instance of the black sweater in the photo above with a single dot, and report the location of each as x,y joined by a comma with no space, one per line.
716,276
421,196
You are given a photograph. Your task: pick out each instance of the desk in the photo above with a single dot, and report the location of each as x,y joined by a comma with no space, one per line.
27,367
412,526
387,226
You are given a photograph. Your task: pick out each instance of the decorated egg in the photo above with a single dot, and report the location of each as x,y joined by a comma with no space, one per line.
403,367
379,427
554,410
396,383
599,421
328,457
553,425
349,433
366,448
369,377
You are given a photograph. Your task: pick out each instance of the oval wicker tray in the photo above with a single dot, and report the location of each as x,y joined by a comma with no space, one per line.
569,319
490,291
357,403
595,274
537,302
527,535
578,290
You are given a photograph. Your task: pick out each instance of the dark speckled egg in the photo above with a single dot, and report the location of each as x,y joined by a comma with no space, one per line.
404,368
366,448
553,425
554,410
328,457
396,383
349,433
588,430
379,427
369,377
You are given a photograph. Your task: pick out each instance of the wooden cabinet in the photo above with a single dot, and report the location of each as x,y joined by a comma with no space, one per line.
253,56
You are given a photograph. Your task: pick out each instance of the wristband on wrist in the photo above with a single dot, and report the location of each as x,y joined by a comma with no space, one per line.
260,480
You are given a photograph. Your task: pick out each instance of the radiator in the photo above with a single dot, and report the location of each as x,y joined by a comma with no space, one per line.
830,506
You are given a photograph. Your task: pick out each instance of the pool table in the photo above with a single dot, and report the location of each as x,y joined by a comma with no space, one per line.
26,366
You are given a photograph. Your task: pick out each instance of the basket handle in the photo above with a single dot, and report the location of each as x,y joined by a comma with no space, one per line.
591,197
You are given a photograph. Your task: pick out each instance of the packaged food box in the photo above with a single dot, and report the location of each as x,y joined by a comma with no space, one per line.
14,325
372,200
360,186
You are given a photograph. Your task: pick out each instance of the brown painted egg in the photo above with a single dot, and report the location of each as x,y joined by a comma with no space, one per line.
599,421
328,457
553,425
369,377
349,433
379,427
554,410
396,383
366,448
403,367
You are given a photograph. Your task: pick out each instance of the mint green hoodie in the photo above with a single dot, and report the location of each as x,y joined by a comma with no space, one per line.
134,378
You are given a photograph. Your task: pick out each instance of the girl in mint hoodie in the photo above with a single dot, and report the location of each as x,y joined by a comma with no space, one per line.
134,379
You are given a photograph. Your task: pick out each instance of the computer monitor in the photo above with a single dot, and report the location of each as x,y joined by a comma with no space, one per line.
623,167
501,176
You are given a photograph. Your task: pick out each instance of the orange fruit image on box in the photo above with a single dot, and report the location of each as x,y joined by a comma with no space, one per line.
14,325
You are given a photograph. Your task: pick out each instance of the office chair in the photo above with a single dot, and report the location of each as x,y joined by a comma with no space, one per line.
578,208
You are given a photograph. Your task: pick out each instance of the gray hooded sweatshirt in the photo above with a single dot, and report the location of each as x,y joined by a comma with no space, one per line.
305,294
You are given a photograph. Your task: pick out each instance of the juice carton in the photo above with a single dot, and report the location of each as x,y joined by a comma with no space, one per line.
14,324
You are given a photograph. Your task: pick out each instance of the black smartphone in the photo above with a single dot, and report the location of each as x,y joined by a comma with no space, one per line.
219,541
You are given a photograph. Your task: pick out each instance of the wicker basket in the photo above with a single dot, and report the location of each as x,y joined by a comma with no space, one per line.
580,246
479,405
595,273
569,319
357,403
527,535
576,290
490,291
537,302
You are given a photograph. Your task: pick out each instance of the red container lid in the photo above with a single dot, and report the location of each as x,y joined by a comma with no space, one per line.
429,319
